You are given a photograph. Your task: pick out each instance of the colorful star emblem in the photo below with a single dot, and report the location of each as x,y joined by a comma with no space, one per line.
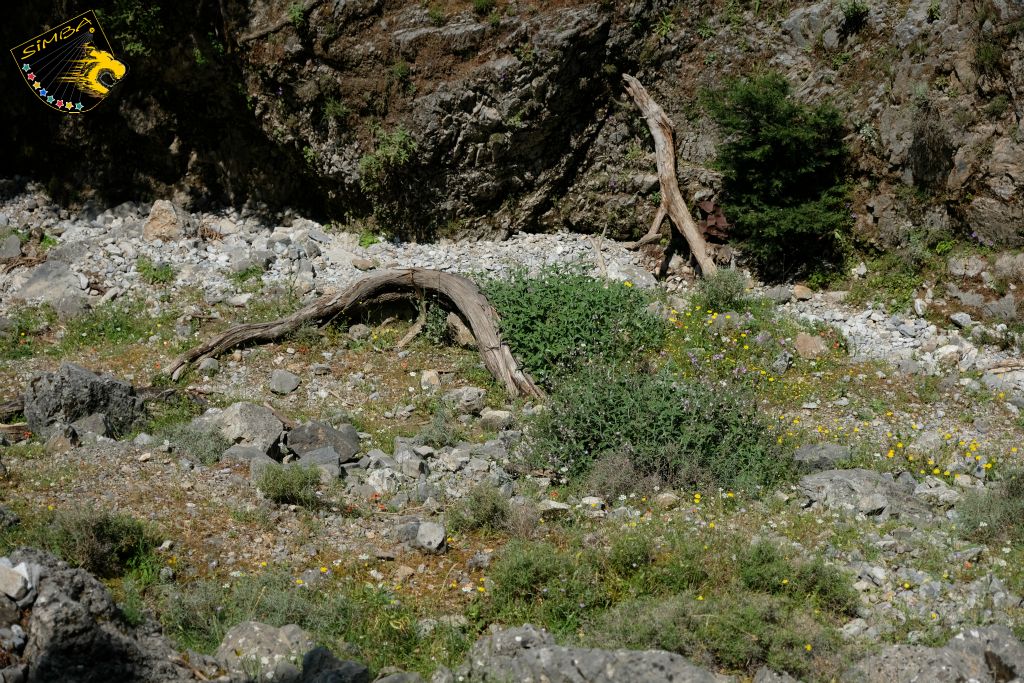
42,92
31,77
26,67
78,106
60,103
68,105
37,85
50,99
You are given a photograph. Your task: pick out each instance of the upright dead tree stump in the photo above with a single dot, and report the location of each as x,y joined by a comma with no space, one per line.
672,204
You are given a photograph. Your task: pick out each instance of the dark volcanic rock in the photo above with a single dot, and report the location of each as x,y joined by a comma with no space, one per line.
72,393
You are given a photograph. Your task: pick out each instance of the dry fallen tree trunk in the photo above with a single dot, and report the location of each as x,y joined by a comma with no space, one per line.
672,203
462,293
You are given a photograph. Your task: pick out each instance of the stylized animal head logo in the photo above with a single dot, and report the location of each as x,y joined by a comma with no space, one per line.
96,72
70,67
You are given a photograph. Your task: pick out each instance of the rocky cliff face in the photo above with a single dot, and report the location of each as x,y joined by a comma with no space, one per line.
440,119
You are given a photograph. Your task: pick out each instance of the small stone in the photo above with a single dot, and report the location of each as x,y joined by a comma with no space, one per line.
552,508
363,264
10,247
802,293
403,573
283,382
666,500
780,294
13,582
209,366
809,346
961,320
431,537
495,420
430,380
359,332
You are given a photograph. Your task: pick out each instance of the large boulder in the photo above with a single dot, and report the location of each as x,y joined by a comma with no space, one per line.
530,654
166,222
861,491
247,424
74,632
983,655
55,399
273,652
315,435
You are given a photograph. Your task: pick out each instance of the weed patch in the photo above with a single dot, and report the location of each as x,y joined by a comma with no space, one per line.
681,431
556,322
289,484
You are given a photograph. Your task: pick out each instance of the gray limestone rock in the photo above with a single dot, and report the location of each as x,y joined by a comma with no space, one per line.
283,382
530,654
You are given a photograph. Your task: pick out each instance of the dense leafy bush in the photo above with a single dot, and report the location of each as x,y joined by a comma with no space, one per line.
485,508
289,484
684,432
784,166
557,321
104,543
723,291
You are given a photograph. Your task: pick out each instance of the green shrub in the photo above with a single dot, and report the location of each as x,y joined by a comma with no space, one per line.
735,632
289,484
485,508
827,587
21,339
997,513
436,16
393,151
784,166
135,23
537,583
988,55
104,543
556,322
154,273
855,15
630,553
723,291
483,7
337,109
435,328
763,567
378,628
204,445
684,432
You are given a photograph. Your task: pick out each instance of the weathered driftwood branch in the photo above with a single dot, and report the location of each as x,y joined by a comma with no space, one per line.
462,293
12,408
671,197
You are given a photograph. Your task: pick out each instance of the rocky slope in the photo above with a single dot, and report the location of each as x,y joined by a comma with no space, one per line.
930,384
514,118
